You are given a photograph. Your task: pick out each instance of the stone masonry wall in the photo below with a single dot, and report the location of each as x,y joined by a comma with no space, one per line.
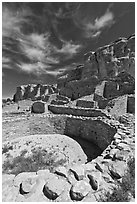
96,130
77,111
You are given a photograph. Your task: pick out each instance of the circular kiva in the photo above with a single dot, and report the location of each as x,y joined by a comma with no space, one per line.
60,147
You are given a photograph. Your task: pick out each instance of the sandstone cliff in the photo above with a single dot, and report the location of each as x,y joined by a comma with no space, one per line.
114,63
34,92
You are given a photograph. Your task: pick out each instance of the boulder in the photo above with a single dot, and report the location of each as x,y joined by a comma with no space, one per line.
54,187
117,169
79,190
38,107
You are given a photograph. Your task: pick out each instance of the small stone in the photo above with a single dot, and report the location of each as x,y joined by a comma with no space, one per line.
54,187
79,190
127,141
127,132
123,146
122,155
78,171
122,134
113,152
117,141
117,169
62,171
117,136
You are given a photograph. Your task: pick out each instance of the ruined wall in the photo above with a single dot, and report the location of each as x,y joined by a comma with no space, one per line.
33,91
106,63
77,111
95,130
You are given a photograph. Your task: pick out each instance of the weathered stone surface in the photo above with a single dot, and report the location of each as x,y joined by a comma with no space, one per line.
64,197
95,179
24,176
79,190
78,171
123,146
117,169
54,187
28,183
122,155
89,198
62,171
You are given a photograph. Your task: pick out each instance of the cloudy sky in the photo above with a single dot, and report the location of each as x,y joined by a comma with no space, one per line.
43,40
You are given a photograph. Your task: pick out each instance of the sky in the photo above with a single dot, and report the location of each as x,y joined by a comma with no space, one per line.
43,40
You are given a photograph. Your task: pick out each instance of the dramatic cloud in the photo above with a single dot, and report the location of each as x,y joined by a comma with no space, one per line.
30,50
94,29
69,49
35,68
93,25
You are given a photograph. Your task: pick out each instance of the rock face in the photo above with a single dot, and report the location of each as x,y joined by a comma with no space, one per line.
34,92
106,63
